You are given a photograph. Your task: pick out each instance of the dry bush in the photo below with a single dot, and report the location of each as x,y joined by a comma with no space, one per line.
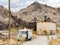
53,42
22,40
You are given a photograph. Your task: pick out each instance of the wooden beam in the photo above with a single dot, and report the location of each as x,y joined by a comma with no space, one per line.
9,25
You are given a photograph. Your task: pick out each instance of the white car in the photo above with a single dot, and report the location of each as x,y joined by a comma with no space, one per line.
25,33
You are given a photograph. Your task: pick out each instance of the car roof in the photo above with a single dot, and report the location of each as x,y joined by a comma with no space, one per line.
25,30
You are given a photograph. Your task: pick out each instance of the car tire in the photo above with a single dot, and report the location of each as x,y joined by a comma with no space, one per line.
30,38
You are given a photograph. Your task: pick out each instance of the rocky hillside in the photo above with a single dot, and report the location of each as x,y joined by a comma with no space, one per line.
3,17
34,12
38,11
58,9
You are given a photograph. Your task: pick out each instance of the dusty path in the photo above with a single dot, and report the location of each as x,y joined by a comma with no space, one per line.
41,40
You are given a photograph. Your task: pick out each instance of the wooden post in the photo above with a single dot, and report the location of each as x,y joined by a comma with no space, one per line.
9,17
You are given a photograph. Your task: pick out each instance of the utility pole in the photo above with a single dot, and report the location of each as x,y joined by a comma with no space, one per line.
9,25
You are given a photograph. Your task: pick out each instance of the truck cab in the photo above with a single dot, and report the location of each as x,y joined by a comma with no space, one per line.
25,33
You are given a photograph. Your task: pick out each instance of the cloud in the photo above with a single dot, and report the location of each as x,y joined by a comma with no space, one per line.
19,4
53,1
4,2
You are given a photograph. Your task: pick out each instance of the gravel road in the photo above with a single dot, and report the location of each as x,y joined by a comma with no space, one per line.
41,40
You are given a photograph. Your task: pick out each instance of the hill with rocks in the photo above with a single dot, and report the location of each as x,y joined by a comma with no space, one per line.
39,11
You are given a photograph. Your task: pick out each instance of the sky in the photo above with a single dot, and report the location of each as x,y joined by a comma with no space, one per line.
19,4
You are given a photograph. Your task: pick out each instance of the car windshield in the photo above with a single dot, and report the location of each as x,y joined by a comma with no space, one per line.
22,32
